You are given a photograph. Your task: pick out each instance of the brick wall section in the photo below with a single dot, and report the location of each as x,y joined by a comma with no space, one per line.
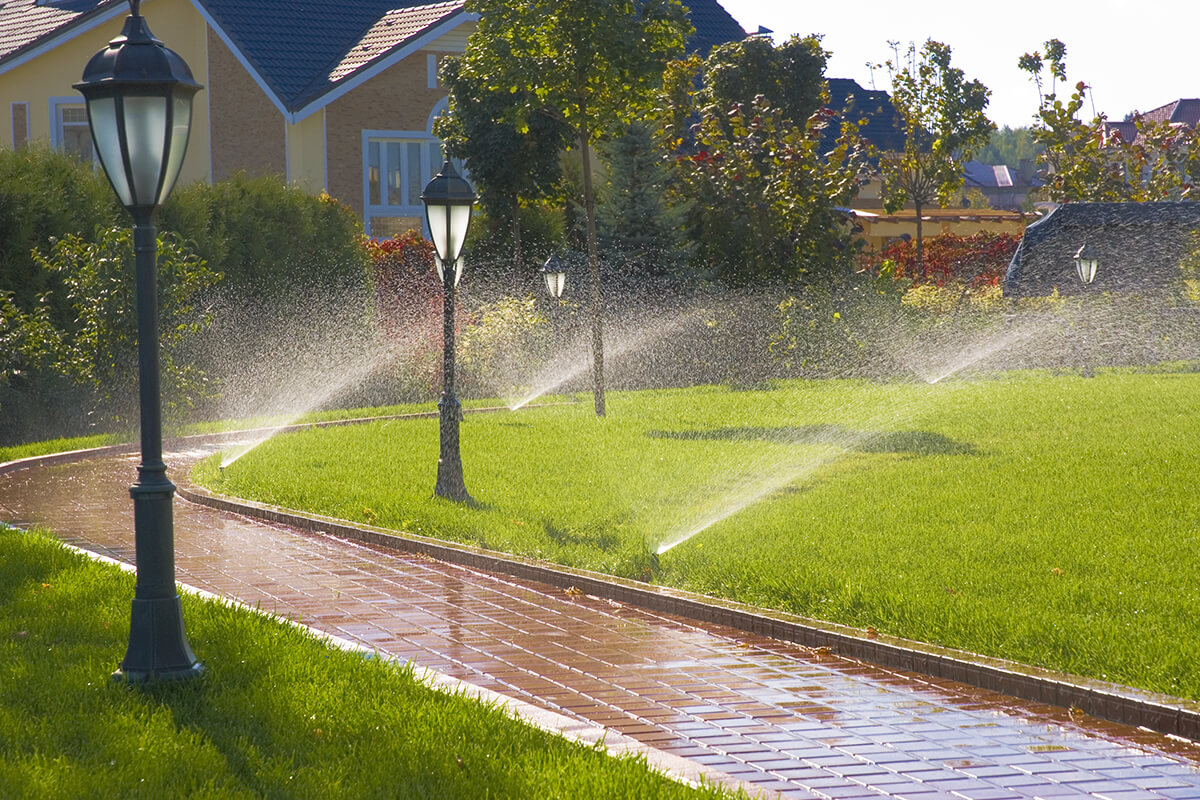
247,130
397,100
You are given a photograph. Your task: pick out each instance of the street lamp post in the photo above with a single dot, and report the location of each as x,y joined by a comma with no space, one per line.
139,101
1086,264
448,199
555,273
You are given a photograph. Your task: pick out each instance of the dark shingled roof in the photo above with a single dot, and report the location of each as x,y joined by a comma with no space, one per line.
881,126
1140,246
1185,111
302,49
26,23
713,26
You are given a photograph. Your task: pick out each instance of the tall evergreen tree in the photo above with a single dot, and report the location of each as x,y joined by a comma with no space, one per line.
636,224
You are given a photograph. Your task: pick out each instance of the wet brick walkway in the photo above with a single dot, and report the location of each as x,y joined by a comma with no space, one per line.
776,715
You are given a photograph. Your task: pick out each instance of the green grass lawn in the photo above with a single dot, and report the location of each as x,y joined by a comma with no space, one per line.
1049,519
278,713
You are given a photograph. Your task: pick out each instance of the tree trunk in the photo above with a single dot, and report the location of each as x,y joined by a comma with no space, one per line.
516,234
589,205
920,243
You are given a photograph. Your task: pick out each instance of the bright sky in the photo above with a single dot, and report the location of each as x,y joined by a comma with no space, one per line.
1136,56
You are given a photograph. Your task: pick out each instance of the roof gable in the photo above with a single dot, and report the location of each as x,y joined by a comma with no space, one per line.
873,107
1139,245
300,51
713,26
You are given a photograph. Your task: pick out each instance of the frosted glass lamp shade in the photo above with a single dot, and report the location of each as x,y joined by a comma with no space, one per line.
448,199
1086,264
556,276
139,102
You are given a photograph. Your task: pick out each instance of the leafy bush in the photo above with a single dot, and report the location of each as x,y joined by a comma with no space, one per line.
79,377
408,312
977,260
99,349
493,265
502,344
270,240
953,297
46,193
406,286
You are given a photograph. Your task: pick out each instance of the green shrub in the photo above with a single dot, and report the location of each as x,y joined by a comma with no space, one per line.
493,266
45,193
502,345
270,240
99,348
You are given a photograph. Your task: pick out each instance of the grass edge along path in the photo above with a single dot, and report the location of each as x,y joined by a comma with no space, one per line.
279,712
1002,517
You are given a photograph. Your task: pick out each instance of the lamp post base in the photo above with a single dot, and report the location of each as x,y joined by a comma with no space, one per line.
450,484
158,648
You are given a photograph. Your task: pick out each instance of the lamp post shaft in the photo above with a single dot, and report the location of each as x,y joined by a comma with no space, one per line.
158,646
450,484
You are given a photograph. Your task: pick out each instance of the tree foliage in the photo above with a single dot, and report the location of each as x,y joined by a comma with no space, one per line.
593,63
1010,146
641,233
791,76
1092,161
944,125
512,155
980,259
46,193
271,241
98,350
765,198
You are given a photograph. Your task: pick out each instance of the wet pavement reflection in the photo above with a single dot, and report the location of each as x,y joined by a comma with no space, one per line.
771,713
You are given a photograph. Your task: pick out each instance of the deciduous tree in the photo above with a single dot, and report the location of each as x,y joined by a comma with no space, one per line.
593,64
944,124
511,156
763,191
1093,161
791,76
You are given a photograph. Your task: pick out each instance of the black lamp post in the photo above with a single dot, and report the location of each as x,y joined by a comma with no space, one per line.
139,101
448,199
555,273
1086,264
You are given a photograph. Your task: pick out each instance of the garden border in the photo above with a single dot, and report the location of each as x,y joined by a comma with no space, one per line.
1165,714
1162,713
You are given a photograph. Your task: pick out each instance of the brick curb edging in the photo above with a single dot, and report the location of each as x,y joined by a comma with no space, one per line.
1162,713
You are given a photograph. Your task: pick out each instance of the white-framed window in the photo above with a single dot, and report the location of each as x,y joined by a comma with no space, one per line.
397,167
69,127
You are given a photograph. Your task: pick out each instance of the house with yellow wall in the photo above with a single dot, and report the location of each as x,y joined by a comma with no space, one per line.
335,97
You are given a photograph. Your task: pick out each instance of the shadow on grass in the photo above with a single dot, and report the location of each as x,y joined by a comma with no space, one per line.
920,443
